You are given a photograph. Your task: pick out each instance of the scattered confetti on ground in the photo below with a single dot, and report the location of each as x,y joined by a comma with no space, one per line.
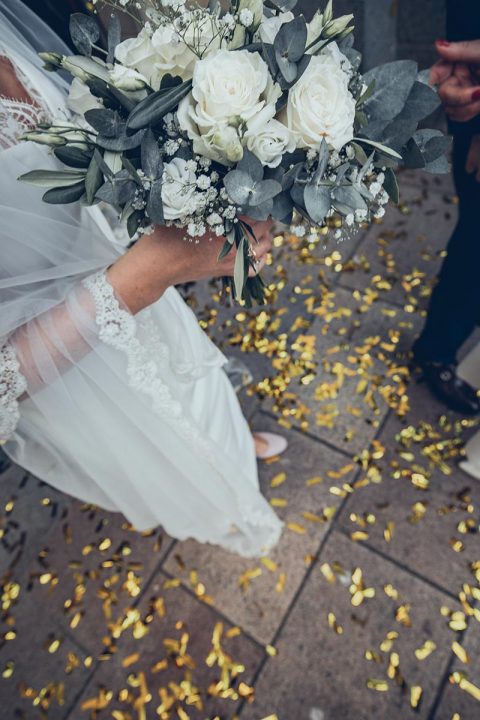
368,608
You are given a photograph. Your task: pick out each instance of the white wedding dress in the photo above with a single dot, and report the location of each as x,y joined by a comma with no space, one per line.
133,414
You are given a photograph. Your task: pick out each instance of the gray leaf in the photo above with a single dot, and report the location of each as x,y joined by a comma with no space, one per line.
263,191
155,106
64,195
440,166
114,36
251,165
239,272
317,201
122,142
260,212
73,156
84,32
297,194
152,162
391,185
49,178
421,102
106,122
282,207
393,84
412,156
238,185
348,198
291,40
93,180
155,203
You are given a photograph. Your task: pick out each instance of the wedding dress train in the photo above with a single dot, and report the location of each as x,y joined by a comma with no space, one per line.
134,414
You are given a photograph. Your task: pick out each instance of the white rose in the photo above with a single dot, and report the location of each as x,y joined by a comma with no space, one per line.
179,195
270,26
229,88
138,53
80,99
171,55
320,104
127,79
270,142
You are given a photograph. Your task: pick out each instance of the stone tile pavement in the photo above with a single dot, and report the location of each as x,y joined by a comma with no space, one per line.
368,607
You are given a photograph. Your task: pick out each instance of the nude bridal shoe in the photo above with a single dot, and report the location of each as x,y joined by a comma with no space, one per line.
269,445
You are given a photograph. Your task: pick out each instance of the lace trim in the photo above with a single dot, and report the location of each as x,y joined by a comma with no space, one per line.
19,116
117,328
12,386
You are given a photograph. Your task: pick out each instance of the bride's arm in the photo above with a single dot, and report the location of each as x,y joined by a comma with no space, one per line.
39,351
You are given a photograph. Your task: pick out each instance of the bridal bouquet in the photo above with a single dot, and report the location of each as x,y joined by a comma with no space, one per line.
209,117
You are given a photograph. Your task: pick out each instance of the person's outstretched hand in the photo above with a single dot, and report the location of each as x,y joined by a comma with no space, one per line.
457,76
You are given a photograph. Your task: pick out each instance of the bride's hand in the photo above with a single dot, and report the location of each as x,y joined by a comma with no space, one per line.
165,258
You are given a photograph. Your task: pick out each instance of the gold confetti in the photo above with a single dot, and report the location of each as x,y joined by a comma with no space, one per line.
460,652
416,693
278,480
425,650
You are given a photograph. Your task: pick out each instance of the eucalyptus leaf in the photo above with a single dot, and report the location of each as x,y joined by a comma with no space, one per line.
84,32
289,44
155,203
440,166
393,84
114,35
105,163
170,81
155,106
238,185
291,39
413,156
122,142
348,197
65,195
292,174
106,122
323,158
251,165
132,170
360,153
111,97
264,191
260,212
421,103
317,201
282,207
52,178
93,180
297,194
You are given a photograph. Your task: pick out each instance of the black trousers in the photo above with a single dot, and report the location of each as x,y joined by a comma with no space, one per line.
455,305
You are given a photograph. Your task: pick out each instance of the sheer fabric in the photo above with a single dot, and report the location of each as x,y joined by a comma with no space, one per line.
134,414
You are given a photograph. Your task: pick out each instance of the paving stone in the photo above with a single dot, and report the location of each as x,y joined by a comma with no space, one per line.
46,680
97,566
422,545
320,674
457,700
405,249
347,420
260,608
30,511
184,616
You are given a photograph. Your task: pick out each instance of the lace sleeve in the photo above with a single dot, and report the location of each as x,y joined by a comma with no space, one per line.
12,385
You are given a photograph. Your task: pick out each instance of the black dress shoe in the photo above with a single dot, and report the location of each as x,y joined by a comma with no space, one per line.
455,393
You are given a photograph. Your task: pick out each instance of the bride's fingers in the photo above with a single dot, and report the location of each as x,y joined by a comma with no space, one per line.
257,268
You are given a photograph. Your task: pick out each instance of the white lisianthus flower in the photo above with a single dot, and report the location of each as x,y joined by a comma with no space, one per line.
320,104
270,26
179,195
138,53
229,90
270,142
80,99
127,79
